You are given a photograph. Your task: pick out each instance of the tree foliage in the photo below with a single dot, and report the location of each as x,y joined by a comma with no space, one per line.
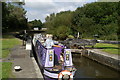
13,17
59,24
35,23
94,18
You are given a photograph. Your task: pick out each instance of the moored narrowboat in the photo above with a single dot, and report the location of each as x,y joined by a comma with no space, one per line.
56,62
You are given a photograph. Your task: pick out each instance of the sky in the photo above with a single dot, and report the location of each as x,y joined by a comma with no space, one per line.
39,9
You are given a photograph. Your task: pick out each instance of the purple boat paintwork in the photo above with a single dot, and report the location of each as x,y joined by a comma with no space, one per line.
58,50
42,52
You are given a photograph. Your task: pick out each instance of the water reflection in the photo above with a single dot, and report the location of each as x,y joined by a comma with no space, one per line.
87,68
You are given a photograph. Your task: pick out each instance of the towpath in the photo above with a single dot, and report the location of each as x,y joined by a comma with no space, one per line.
21,57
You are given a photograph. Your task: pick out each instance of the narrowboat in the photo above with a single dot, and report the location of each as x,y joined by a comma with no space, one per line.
56,62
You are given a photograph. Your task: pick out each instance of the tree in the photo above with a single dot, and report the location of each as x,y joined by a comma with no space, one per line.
62,32
54,22
94,18
5,15
14,18
35,23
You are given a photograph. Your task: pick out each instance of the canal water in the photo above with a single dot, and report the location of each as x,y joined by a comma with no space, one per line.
87,68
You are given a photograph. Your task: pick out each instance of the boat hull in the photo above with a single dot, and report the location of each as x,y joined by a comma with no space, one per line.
41,57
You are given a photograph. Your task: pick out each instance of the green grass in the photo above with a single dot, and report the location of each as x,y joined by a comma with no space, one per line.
110,48
6,69
7,44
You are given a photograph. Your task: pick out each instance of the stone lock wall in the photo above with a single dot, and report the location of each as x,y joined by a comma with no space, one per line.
103,59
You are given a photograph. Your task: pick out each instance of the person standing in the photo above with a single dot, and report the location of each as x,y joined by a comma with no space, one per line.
49,42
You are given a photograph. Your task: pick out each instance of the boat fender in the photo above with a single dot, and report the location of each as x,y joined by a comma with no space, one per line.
65,72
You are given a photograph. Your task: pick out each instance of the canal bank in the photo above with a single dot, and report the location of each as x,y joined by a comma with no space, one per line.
88,69
110,60
29,68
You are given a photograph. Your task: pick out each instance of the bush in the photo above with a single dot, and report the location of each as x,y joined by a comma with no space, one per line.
70,36
62,32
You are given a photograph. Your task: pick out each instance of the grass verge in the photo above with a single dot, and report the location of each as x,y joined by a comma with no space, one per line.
109,48
6,69
8,42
